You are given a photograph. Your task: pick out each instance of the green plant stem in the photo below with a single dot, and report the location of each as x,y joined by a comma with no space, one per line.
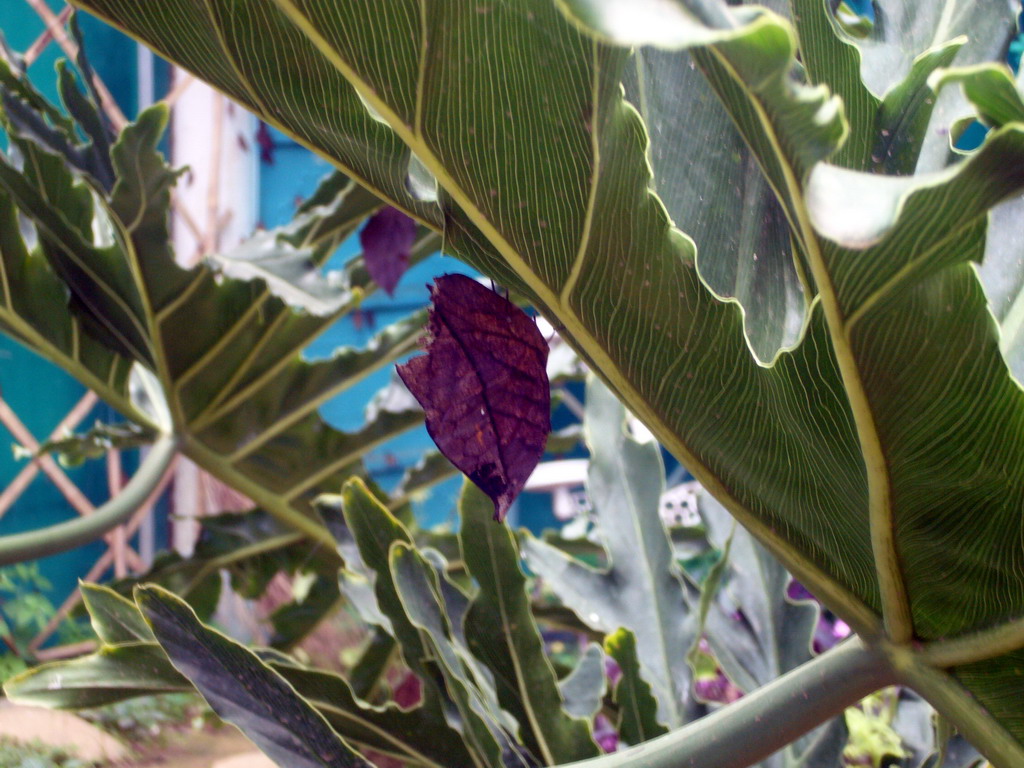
74,533
977,646
749,730
251,550
264,498
953,701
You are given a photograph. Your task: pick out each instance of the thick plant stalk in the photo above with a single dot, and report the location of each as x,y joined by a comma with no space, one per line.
74,533
749,730
947,695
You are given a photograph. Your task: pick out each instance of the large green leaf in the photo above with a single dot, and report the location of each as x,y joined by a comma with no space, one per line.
34,310
236,387
718,197
34,303
642,587
375,532
243,690
502,632
485,727
839,456
111,674
918,234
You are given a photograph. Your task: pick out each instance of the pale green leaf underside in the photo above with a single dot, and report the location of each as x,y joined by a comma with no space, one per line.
642,588
904,31
775,637
996,96
718,196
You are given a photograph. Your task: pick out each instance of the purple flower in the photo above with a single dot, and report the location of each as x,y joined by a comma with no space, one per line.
612,671
797,591
718,688
408,693
605,735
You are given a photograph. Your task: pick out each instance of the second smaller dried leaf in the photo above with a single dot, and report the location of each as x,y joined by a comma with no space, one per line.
387,239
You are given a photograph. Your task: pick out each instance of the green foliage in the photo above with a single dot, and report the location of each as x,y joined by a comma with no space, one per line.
458,663
237,394
837,455
25,610
74,449
642,589
852,398
17,755
872,739
638,709
474,644
90,283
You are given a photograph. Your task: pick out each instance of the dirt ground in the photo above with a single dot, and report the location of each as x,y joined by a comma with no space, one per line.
223,747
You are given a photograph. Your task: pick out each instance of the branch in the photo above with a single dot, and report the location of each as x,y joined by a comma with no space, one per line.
763,722
74,533
952,700
976,646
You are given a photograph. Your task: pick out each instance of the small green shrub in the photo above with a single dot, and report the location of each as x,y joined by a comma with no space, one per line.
36,755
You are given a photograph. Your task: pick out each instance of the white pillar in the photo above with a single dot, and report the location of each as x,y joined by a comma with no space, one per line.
216,207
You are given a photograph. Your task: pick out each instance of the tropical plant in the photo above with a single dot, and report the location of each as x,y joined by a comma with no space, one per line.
479,659
205,361
466,629
854,403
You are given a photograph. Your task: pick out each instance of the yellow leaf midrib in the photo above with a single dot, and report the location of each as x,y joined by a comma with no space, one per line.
881,515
